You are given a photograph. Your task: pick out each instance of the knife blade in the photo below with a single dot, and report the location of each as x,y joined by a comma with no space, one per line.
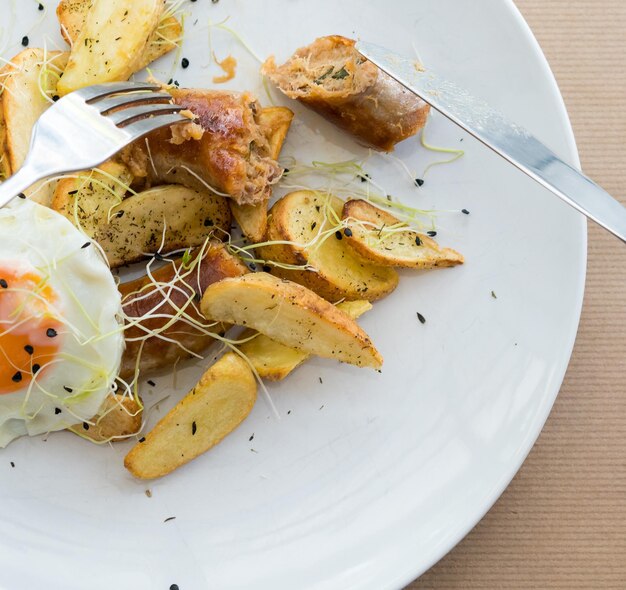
511,141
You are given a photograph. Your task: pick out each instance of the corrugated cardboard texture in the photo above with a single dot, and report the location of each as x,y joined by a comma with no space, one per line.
562,522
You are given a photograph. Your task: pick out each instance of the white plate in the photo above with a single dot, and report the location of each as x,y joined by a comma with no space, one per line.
367,479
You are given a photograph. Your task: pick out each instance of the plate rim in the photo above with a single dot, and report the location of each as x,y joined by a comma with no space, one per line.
411,575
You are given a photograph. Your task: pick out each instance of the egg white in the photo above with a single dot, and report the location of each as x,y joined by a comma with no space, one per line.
89,304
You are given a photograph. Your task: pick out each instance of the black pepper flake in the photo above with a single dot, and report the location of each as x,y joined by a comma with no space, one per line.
465,211
194,428
3,283
208,223
68,389
151,383
55,97
57,411
51,333
215,1
12,464
320,380
120,213
493,294
85,245
286,171
142,439
338,235
313,225
421,318
40,7
21,196
17,377
267,268
432,233
419,182
36,368
25,40
85,426
185,63
364,177
29,349
418,241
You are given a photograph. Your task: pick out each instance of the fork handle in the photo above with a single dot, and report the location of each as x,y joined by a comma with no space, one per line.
15,185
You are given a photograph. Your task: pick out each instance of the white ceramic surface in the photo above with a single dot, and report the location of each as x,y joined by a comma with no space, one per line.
367,479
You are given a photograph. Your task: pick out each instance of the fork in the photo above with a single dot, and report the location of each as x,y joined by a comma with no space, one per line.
87,127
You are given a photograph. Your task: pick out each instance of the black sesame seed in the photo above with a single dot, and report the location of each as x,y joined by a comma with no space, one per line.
419,182
36,368
40,7
170,81
142,439
57,411
158,256
338,235
252,266
421,318
68,389
465,211
208,223
17,377
215,1
267,268
55,97
185,63
151,383
251,437
120,213
3,283
22,196
174,587
418,241
432,233
171,517
286,171
85,426
313,225
193,428
347,232
72,192
25,41
85,245
12,464
51,333
29,349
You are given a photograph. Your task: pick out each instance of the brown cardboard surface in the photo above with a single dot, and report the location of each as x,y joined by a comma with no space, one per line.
562,521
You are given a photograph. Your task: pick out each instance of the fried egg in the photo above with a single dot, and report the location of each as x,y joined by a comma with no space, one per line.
61,338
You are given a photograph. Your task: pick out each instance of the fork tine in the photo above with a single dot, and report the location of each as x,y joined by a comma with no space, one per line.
101,90
127,115
145,126
108,104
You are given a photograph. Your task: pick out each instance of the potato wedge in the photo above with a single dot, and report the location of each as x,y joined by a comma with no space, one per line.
28,86
217,405
72,15
129,229
111,43
301,218
380,238
252,219
119,417
274,361
292,315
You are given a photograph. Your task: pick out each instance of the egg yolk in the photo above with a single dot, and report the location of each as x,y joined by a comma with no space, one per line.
30,333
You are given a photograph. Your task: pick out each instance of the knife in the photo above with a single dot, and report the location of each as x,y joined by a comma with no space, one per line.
514,143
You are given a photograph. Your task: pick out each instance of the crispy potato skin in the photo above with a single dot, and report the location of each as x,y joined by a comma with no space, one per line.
252,219
340,274
215,265
216,406
398,249
119,417
274,361
233,155
72,14
292,315
378,111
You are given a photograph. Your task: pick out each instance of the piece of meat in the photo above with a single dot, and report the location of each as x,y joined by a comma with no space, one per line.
141,296
232,155
333,79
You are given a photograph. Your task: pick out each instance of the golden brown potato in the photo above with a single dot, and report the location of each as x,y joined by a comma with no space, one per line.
112,42
252,219
119,417
301,218
333,79
28,78
274,361
217,405
380,238
72,15
292,315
